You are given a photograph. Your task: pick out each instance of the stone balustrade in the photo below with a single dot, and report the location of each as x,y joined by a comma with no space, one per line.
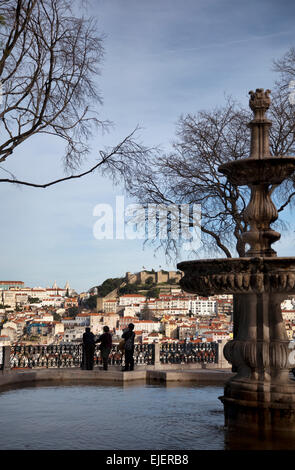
70,355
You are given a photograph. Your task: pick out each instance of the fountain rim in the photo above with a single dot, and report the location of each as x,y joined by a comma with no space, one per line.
243,172
256,260
239,275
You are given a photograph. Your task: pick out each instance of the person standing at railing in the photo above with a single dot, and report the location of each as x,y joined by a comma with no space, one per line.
88,350
129,337
105,347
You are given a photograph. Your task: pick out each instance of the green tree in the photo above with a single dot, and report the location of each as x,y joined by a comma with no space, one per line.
149,281
72,311
154,292
91,302
33,300
56,316
108,286
128,289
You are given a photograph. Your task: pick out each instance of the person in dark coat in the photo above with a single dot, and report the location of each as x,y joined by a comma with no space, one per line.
105,347
129,337
88,350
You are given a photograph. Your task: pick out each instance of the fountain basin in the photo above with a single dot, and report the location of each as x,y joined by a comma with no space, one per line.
271,170
238,275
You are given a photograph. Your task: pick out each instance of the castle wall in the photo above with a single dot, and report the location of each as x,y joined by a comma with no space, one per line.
158,277
161,277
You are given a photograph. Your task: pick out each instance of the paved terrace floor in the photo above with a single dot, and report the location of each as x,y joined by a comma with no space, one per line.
115,375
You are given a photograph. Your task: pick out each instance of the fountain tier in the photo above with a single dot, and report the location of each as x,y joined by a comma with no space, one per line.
239,276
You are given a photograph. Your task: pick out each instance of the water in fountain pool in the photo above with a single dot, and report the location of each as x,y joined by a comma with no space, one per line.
112,417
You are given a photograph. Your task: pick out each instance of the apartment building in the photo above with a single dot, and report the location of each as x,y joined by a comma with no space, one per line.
130,299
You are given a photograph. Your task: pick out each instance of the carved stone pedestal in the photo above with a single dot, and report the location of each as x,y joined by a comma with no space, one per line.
262,395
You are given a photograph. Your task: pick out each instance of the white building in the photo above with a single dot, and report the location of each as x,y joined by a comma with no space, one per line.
72,334
8,298
148,326
109,319
10,324
53,301
10,332
288,304
46,317
96,322
130,299
58,328
216,335
109,305
203,306
183,305
288,314
132,310
69,322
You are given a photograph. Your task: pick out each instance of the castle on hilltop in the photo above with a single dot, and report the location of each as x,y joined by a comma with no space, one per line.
157,276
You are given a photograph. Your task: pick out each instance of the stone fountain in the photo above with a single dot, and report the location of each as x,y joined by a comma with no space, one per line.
261,396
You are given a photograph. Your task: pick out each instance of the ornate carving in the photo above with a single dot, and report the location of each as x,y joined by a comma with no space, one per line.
238,276
250,171
259,214
259,100
253,355
279,355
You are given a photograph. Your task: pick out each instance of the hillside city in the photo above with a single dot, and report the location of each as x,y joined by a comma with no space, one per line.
153,301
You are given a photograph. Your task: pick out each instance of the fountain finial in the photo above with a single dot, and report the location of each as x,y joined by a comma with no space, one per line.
259,102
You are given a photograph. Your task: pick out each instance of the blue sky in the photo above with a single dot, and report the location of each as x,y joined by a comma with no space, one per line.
163,58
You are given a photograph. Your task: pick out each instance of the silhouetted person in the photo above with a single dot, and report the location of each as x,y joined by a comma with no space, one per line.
105,347
88,350
129,337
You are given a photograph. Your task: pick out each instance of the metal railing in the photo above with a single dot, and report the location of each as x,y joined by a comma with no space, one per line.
184,353
70,355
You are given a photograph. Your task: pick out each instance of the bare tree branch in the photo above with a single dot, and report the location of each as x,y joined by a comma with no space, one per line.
48,64
126,146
